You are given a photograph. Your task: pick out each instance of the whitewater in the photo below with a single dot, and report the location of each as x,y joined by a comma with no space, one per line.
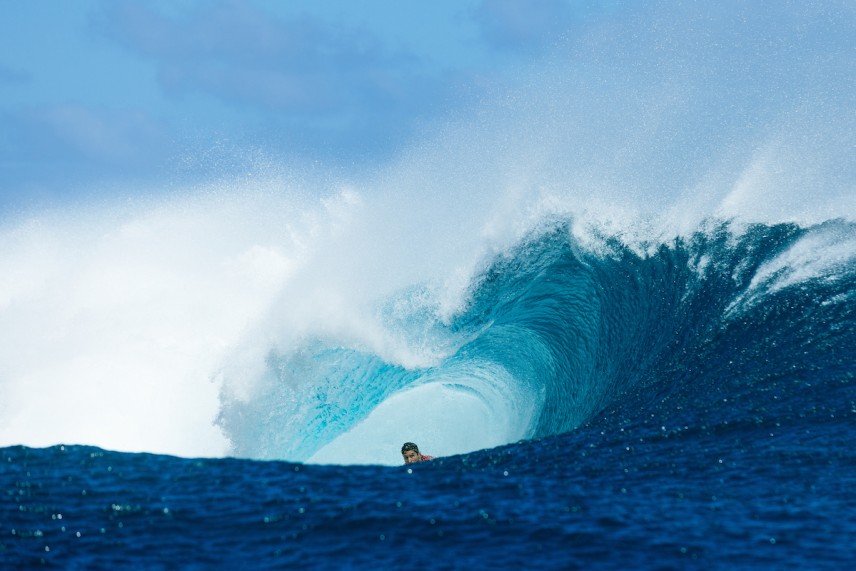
619,291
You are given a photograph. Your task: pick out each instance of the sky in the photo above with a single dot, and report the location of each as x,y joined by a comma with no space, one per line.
98,91
99,97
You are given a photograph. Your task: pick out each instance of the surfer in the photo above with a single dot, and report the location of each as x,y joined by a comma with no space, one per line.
411,454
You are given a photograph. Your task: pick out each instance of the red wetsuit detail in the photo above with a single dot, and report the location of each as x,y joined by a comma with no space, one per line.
426,457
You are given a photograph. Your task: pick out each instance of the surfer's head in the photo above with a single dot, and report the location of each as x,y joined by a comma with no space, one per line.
410,452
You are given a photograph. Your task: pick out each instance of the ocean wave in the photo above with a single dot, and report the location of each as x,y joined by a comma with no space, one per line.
554,336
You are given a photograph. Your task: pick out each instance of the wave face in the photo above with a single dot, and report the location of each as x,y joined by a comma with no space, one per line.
555,335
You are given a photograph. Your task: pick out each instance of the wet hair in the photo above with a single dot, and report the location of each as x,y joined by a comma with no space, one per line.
409,446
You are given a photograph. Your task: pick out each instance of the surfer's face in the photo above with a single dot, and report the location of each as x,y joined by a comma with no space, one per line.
411,456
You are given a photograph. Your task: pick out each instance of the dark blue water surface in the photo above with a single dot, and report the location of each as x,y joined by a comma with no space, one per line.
699,412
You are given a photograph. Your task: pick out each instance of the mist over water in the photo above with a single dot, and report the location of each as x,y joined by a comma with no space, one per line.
280,316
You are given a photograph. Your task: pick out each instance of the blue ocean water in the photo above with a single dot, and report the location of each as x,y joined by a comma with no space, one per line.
616,302
698,412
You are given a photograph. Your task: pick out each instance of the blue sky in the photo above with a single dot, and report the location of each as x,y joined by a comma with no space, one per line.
108,96
97,91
